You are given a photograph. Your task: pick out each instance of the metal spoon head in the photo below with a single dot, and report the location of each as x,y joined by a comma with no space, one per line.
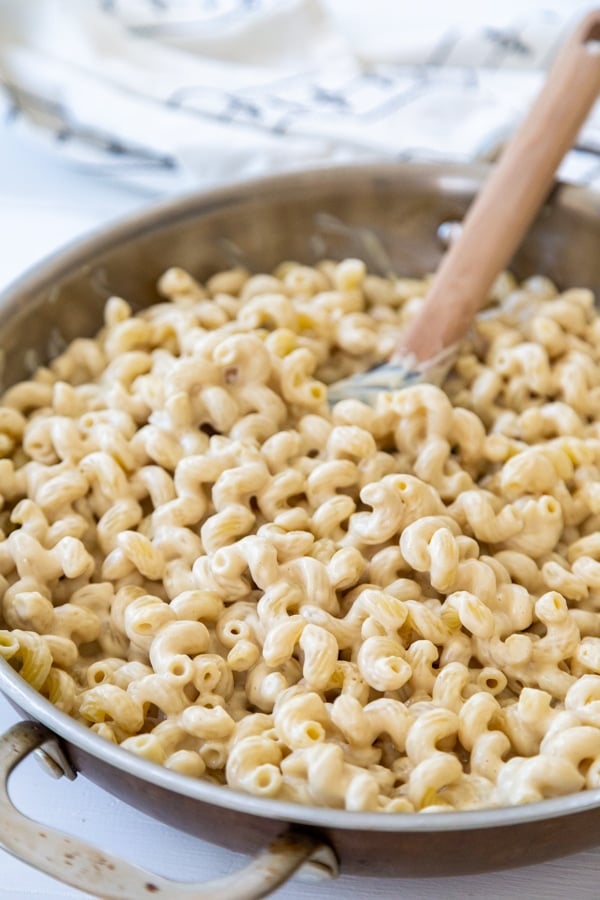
367,385
399,373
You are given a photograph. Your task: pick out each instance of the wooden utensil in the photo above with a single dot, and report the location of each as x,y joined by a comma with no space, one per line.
495,223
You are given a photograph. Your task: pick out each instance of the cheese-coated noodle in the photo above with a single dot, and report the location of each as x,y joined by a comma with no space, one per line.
392,608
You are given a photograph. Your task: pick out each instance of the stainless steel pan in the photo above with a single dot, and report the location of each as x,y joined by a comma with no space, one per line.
389,215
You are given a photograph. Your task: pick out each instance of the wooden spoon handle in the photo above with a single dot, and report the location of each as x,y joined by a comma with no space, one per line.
512,195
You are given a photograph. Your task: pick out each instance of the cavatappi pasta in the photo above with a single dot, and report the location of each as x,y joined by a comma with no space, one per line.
393,608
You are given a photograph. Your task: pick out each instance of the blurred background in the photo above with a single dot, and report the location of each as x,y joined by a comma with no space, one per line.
108,105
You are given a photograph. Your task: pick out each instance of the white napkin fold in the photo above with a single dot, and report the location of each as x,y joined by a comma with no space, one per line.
169,93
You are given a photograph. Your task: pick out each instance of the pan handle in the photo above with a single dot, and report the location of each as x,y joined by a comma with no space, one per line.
76,863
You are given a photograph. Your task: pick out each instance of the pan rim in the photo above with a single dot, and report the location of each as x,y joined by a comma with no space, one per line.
80,252
63,726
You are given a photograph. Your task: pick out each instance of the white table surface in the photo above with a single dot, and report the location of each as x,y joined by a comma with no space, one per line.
43,204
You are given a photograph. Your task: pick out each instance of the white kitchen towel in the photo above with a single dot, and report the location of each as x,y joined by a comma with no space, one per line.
169,93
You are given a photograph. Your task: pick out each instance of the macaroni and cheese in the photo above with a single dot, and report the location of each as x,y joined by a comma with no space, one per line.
390,608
